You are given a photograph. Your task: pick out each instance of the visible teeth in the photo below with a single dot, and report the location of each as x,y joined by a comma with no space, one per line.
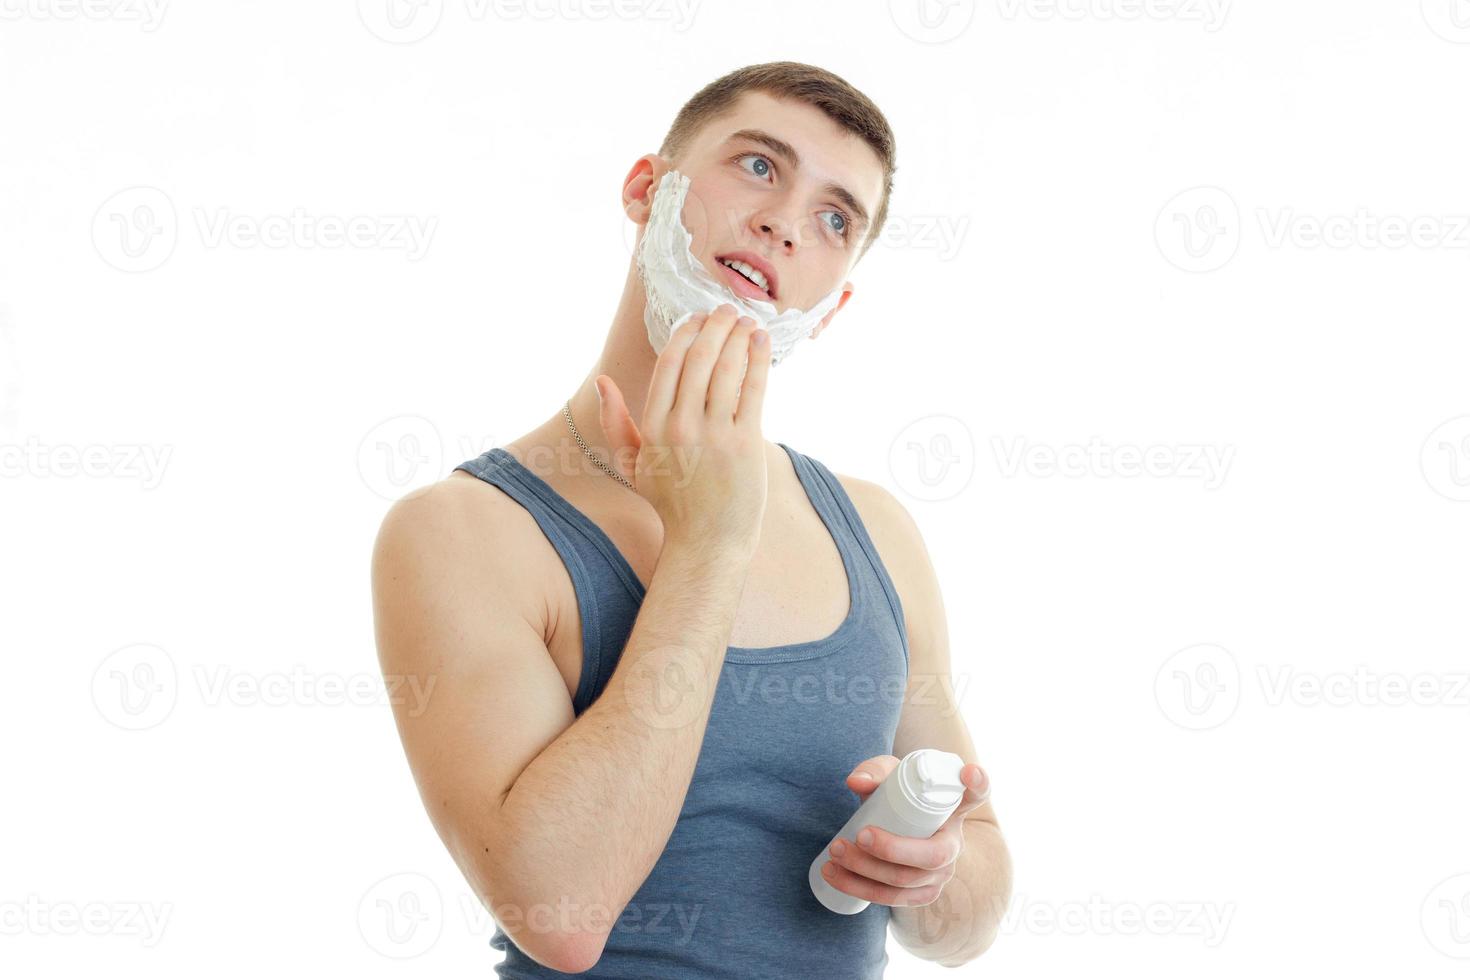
748,271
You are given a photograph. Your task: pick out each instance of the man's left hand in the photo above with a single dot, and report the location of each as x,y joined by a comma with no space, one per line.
890,869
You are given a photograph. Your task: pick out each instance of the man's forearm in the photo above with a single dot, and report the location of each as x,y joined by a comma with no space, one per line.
592,813
965,919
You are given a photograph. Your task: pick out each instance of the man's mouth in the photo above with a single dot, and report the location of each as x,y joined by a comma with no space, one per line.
746,279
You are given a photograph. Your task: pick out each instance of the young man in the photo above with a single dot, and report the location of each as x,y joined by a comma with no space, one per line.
670,657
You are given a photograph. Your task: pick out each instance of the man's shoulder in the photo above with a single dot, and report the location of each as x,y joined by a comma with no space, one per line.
888,522
461,531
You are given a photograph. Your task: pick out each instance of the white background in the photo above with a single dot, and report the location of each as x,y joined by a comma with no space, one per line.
1118,226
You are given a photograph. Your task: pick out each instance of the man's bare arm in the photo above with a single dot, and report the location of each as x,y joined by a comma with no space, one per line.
555,821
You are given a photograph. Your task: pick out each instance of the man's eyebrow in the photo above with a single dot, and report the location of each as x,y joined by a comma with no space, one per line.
788,153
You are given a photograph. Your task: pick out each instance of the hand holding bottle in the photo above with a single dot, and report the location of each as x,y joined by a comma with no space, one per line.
903,844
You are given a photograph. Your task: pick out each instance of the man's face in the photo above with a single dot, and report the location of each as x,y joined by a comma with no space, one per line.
800,223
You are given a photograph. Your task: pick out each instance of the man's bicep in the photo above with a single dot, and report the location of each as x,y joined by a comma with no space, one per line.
452,626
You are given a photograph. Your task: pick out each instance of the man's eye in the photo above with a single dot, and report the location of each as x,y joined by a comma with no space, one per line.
762,164
762,168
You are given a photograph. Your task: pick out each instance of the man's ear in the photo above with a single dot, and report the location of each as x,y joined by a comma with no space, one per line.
847,290
639,185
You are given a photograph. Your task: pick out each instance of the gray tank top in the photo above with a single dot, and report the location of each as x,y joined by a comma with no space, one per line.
729,898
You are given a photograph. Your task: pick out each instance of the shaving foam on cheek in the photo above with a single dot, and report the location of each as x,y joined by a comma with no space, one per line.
677,285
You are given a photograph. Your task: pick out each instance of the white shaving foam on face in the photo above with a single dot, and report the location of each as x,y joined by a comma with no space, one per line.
677,285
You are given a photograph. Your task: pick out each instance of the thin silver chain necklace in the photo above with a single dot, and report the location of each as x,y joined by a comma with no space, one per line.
567,411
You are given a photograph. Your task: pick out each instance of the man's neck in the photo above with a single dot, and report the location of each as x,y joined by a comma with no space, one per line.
626,358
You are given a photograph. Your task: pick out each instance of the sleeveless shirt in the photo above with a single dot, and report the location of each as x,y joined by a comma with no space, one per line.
729,896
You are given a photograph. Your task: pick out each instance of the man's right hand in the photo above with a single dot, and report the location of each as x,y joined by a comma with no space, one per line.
699,456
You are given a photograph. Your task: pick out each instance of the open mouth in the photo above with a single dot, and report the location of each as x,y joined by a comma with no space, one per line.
746,279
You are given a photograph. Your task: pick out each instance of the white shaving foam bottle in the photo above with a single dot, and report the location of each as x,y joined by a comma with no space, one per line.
915,800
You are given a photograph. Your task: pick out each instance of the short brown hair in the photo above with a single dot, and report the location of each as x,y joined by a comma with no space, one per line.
845,105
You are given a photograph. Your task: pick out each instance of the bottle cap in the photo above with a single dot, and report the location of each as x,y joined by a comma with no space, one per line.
938,780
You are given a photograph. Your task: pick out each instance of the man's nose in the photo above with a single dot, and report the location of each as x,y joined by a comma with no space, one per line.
781,230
